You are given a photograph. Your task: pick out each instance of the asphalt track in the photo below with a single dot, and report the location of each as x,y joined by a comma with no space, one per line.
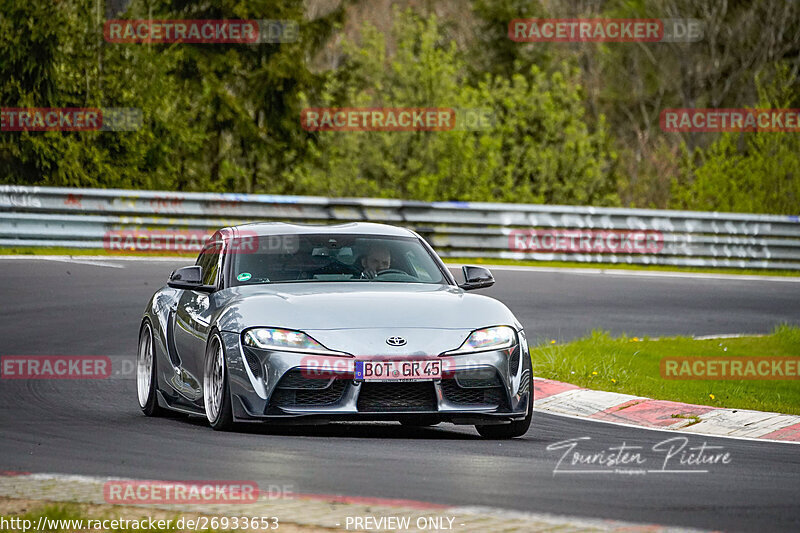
95,427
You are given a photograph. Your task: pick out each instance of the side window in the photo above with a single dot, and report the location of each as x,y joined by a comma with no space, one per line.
209,261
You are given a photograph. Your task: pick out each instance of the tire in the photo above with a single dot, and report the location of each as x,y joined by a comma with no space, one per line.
146,374
516,428
216,390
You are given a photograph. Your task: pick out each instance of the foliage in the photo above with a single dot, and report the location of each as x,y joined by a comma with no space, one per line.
757,172
218,117
538,148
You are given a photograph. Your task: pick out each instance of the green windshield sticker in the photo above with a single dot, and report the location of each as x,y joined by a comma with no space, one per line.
244,276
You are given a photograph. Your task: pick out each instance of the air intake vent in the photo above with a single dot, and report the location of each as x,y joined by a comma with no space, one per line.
388,397
488,396
478,378
294,379
513,361
253,362
309,397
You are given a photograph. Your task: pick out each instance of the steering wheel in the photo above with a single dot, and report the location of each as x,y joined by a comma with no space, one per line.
393,271
336,267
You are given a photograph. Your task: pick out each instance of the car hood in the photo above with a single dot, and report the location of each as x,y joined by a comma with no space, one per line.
358,318
323,308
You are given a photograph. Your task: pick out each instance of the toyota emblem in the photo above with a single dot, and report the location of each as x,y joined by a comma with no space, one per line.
395,341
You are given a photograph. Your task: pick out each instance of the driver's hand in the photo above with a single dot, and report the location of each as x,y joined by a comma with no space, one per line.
370,273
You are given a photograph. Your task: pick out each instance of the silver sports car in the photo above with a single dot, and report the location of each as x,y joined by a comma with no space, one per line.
284,323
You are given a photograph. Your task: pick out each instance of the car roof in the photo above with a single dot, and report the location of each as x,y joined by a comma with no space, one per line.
284,228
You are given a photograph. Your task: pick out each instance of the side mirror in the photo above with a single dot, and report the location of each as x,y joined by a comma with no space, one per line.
189,278
476,278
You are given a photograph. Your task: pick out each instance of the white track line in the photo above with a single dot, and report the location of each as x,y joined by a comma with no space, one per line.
725,336
671,431
90,262
94,259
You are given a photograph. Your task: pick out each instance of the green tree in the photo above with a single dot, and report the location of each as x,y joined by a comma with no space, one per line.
630,83
752,172
219,117
539,148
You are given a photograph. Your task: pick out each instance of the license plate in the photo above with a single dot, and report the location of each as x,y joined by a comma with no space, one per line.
398,370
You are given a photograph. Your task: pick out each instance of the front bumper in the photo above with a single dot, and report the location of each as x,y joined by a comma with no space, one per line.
489,387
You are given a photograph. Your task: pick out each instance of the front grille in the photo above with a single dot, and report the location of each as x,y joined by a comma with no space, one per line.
294,379
473,396
397,397
481,378
306,397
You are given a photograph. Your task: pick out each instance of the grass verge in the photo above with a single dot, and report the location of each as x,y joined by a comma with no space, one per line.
620,266
631,365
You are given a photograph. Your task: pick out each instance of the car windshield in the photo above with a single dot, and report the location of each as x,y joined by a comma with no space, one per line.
327,257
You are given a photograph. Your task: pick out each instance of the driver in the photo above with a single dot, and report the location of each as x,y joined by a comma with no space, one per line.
377,259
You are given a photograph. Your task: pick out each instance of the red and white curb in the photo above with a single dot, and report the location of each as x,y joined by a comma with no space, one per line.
324,511
566,399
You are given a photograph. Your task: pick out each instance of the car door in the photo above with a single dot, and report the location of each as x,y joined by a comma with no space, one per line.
191,325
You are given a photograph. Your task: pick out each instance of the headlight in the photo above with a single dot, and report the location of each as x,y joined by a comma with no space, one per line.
284,340
486,339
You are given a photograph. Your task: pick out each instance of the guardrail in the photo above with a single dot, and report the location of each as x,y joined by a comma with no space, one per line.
83,218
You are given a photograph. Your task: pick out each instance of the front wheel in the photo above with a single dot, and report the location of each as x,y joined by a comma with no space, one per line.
146,380
517,428
216,393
